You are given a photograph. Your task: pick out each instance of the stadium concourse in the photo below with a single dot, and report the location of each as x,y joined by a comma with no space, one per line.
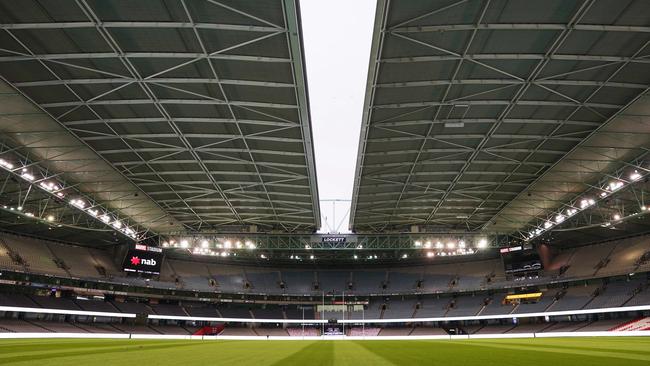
158,185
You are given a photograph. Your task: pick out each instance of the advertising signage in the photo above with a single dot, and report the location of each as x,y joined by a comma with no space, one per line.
143,259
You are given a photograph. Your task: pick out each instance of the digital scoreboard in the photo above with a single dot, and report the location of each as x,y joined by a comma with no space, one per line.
522,260
143,259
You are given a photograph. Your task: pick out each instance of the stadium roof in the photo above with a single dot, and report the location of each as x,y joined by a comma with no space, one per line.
179,115
489,115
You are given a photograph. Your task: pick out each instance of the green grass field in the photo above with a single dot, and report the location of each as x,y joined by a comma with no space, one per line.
521,352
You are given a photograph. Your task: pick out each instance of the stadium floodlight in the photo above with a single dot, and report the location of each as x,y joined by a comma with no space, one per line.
617,217
359,246
184,243
559,218
635,176
404,256
50,218
307,246
105,218
5,164
461,244
250,245
439,245
117,224
586,202
238,245
355,256
547,224
92,212
27,175
205,244
451,245
418,243
482,243
615,185
227,244
262,256
430,254
643,208
48,186
427,244
78,203
311,257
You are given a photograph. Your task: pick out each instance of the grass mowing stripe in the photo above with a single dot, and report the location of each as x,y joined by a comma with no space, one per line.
537,348
643,350
81,352
506,352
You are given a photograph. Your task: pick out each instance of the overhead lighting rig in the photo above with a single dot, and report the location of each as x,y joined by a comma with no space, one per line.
38,178
625,177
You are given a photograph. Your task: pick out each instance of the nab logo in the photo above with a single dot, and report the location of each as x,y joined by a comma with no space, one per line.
136,261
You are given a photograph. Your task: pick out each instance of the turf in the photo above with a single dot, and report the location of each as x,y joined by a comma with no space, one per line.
548,352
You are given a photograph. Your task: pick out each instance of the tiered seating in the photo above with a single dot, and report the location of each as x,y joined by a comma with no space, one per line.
614,294
270,312
6,261
303,332
334,282
625,256
170,330
529,328
575,298
133,307
433,308
17,300
296,313
466,306
425,331
603,325
371,311
96,305
473,275
228,331
368,282
364,332
202,311
273,332
495,307
298,282
403,281
17,325
192,275
641,298
234,311
400,308
265,282
586,259
35,253
50,302
166,309
494,329
395,331
134,329
540,306
79,263
105,262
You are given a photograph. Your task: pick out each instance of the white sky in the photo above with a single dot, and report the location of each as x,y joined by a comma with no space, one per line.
337,36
